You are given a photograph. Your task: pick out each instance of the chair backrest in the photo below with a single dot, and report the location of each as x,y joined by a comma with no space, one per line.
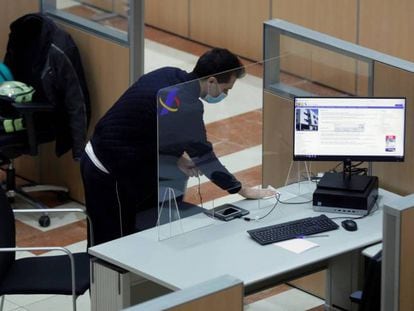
7,234
44,56
25,61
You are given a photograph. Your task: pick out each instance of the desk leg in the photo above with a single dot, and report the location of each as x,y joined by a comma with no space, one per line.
343,278
113,288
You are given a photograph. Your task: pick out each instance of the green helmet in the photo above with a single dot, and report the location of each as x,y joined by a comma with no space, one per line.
16,91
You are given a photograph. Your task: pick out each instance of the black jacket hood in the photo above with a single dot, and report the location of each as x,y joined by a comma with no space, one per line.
33,33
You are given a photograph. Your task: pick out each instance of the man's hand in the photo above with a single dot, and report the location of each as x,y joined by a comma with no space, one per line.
186,165
257,193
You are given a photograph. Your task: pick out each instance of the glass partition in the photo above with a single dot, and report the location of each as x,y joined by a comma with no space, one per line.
109,18
304,62
206,148
327,66
120,21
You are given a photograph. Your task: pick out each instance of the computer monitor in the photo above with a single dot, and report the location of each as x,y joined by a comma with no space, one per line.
349,129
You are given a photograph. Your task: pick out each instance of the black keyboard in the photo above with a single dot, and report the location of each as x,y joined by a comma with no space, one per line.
292,229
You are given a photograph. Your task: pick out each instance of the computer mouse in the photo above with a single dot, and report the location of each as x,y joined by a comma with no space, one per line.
349,225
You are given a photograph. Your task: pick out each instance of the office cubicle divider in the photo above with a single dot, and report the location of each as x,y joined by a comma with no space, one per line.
397,255
224,293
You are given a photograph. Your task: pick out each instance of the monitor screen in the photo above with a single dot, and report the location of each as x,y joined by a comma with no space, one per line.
349,128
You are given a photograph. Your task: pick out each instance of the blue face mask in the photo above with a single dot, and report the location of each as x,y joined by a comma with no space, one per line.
214,100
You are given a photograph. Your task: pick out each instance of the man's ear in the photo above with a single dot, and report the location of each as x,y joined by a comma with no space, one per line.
212,80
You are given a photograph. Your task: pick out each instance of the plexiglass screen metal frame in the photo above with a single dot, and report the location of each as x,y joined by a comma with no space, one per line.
349,129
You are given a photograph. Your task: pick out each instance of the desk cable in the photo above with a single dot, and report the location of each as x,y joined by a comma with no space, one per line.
294,203
354,169
199,191
277,197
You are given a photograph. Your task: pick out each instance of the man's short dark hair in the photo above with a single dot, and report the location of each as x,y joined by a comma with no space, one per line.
220,63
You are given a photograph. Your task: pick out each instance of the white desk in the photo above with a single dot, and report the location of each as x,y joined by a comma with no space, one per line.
226,248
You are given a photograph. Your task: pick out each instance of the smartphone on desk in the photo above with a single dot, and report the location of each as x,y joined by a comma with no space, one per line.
227,212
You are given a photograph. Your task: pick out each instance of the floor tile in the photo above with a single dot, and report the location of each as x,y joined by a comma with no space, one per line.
236,162
318,308
8,305
245,96
290,300
25,300
157,56
61,303
57,219
61,236
64,4
266,293
236,133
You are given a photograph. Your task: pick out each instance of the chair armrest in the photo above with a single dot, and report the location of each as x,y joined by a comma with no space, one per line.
60,210
30,249
33,107
28,110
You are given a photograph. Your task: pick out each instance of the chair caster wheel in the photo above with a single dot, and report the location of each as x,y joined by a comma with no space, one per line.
44,221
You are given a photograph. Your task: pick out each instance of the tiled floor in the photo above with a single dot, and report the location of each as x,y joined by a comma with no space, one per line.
234,128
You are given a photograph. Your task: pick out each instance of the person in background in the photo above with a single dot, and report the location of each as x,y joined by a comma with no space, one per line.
120,164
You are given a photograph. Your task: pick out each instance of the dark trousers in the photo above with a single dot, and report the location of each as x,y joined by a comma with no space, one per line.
113,206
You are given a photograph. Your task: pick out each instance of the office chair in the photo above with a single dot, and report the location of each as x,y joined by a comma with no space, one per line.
42,55
15,144
55,275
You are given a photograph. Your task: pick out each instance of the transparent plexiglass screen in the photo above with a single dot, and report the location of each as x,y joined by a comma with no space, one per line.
206,148
109,17
305,69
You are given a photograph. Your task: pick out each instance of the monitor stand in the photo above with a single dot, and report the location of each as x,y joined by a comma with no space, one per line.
345,193
345,181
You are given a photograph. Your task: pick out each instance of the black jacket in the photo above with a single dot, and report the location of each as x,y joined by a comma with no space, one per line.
181,129
44,56
125,139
